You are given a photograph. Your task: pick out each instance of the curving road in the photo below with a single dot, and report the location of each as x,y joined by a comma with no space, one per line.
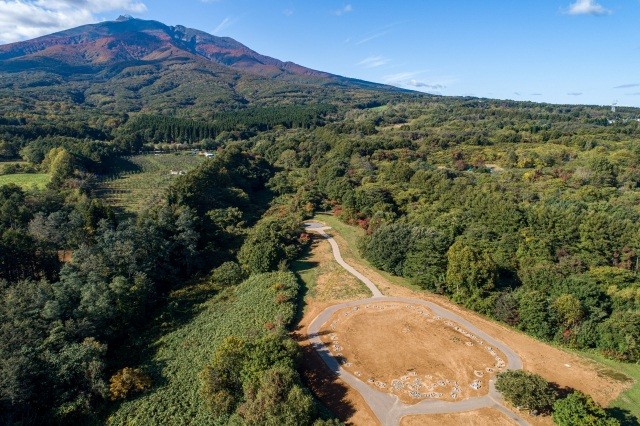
387,407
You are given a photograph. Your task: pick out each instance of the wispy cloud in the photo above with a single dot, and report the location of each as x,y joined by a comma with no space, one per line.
587,7
346,9
371,37
287,12
627,86
422,84
226,23
574,93
373,61
536,94
633,94
409,79
401,77
22,19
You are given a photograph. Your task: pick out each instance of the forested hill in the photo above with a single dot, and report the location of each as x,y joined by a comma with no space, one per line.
527,213
132,65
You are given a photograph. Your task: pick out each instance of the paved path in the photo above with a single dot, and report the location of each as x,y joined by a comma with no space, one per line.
387,407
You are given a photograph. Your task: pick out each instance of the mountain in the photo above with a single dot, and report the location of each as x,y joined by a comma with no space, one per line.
132,65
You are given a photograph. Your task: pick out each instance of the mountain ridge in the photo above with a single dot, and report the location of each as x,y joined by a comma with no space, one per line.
136,39
136,65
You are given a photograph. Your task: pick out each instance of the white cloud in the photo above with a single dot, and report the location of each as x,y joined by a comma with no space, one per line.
401,77
587,7
409,79
627,86
574,93
373,61
346,9
287,12
23,19
226,23
422,84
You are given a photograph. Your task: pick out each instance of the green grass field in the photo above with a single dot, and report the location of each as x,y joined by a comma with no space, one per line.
137,182
26,180
629,400
187,332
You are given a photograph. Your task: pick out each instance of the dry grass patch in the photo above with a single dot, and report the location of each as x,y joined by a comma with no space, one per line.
484,416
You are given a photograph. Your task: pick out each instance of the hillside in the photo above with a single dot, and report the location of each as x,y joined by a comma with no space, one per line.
132,65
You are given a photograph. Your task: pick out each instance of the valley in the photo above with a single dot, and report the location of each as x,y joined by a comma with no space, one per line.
192,232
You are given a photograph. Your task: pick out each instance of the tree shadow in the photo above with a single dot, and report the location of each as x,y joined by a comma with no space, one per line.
325,385
137,346
623,415
298,267
118,166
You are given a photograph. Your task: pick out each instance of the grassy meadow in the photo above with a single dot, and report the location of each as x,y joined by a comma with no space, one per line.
197,319
26,180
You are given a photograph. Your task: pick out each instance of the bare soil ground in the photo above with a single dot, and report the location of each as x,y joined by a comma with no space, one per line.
482,417
408,351
333,285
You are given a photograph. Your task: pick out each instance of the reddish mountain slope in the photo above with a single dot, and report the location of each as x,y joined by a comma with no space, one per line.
130,39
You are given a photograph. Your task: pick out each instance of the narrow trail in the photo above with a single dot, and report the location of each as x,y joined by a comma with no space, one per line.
387,407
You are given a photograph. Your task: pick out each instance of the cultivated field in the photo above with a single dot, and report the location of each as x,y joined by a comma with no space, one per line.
139,181
26,180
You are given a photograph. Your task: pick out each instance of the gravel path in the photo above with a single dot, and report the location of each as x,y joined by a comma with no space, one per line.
387,407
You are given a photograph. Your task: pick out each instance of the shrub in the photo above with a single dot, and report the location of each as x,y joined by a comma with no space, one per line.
127,381
227,274
580,409
526,390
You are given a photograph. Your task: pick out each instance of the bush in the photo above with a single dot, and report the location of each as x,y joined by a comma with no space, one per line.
580,409
227,274
128,381
526,390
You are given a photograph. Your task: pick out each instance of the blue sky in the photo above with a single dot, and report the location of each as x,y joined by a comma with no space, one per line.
561,51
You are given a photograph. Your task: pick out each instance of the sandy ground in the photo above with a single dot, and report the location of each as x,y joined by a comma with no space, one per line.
485,416
412,353
565,369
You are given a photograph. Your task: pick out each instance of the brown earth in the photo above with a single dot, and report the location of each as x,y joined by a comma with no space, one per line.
484,416
556,365
412,353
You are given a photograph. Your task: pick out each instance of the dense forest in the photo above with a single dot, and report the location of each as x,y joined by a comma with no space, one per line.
527,213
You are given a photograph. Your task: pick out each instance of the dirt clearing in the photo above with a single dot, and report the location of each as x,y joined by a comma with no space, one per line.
482,417
408,351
